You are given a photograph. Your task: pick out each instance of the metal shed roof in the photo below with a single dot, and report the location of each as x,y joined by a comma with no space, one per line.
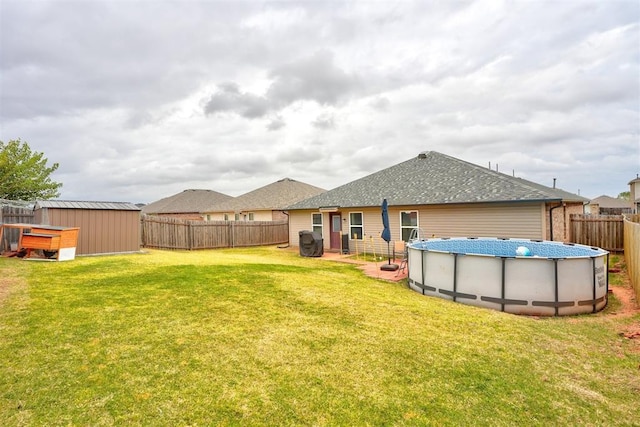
71,204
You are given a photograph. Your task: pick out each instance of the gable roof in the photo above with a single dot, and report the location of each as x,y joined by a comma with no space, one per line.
188,201
76,204
274,196
433,178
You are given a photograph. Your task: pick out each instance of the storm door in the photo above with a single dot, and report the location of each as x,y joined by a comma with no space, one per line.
336,230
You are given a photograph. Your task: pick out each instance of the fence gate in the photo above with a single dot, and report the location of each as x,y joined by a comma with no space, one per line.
602,231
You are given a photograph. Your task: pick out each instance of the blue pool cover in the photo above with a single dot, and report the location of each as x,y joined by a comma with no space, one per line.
507,247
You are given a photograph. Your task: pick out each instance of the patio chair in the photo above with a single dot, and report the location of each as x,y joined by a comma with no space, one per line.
400,254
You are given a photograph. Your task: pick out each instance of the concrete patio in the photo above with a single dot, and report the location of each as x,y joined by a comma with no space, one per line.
371,269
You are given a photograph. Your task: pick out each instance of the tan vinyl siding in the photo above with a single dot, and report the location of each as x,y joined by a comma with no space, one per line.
373,222
301,220
515,221
482,220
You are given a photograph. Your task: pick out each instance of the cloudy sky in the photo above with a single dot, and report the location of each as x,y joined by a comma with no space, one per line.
138,100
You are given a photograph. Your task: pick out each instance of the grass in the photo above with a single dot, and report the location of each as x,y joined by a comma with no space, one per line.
262,336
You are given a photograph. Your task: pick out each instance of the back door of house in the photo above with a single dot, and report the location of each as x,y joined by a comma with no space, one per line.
336,230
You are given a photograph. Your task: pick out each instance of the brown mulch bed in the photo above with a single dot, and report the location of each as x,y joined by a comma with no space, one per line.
629,306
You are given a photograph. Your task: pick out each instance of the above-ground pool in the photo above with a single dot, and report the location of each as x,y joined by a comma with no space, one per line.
533,277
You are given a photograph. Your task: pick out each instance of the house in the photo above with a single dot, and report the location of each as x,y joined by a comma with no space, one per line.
634,194
440,196
105,227
605,205
189,204
266,203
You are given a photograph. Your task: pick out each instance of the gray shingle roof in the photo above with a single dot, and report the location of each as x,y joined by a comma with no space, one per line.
75,204
188,201
433,178
274,196
610,202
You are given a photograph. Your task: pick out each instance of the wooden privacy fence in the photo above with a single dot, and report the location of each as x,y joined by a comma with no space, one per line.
15,214
12,214
602,231
632,250
173,233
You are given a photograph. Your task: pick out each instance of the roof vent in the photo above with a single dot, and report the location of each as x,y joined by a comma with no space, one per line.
422,155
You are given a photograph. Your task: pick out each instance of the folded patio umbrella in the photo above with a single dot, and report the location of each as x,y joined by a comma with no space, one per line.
386,234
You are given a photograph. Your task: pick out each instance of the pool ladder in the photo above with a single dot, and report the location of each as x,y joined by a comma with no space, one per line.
415,235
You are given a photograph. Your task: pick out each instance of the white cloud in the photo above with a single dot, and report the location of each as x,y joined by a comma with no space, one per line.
235,95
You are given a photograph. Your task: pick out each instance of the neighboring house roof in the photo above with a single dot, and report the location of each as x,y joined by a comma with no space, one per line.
610,202
433,178
73,204
274,196
188,201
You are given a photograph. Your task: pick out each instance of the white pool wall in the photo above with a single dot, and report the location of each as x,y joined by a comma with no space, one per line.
561,284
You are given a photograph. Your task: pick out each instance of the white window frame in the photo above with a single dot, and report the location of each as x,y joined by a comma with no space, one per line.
352,226
404,234
317,226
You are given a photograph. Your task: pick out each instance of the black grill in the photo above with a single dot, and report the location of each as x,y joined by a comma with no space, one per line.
310,244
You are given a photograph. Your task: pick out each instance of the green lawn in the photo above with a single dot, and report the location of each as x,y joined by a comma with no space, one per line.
262,336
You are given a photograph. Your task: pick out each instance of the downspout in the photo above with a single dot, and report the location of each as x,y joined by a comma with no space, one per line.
288,242
564,221
551,220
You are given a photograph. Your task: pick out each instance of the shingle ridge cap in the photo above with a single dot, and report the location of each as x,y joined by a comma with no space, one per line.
530,185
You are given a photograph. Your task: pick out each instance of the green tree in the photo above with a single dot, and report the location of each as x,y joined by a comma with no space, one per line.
24,174
625,195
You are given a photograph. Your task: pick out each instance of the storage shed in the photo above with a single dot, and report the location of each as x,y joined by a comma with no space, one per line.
105,227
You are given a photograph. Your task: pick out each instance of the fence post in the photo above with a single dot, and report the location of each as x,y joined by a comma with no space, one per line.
632,251
142,240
